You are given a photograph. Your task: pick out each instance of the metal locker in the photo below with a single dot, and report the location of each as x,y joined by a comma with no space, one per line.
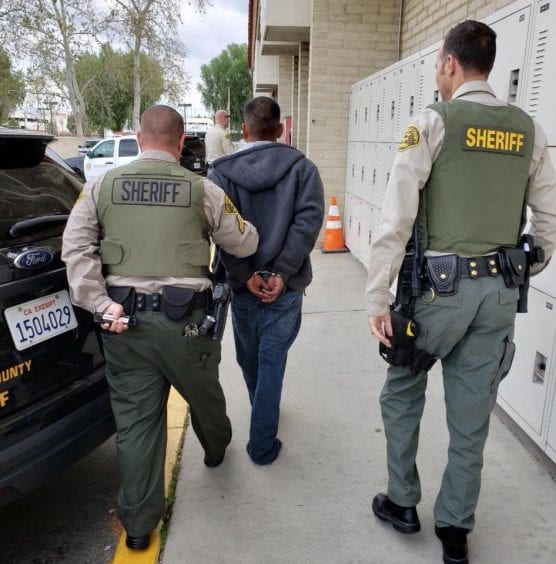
427,91
351,125
541,79
348,220
387,153
389,100
551,423
366,172
523,393
372,167
406,105
350,166
507,75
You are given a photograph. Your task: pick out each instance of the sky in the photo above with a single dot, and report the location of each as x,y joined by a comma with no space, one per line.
205,36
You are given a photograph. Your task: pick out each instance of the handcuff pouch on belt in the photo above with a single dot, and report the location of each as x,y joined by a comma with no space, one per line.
513,266
176,302
443,274
124,295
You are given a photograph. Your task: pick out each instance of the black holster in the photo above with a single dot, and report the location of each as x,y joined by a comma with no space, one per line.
403,351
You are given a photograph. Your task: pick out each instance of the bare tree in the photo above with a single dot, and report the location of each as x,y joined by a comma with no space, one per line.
151,26
51,34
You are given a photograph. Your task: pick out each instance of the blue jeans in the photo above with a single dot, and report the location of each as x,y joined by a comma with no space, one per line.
263,334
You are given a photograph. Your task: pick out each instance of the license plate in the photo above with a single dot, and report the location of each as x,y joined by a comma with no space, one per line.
38,320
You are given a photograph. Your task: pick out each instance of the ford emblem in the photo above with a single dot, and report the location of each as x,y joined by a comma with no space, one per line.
33,258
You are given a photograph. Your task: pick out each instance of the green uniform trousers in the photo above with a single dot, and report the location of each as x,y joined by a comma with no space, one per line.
142,363
471,332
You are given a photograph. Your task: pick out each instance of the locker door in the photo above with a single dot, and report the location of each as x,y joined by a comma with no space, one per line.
389,100
372,165
351,126
551,427
541,79
365,110
506,77
366,227
348,220
427,90
350,166
406,106
523,393
387,153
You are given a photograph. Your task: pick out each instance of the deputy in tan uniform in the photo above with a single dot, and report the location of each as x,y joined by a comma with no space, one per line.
217,139
463,173
137,242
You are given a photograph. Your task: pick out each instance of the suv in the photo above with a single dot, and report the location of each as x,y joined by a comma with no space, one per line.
54,401
193,154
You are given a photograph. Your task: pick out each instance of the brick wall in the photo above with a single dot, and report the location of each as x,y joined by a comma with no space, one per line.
285,88
425,21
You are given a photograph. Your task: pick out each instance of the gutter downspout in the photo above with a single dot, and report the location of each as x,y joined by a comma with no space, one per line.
400,31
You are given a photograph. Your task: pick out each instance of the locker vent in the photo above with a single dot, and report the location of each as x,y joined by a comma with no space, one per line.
537,73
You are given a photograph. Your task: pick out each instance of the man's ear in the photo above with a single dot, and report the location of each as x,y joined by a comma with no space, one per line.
280,130
450,65
245,131
139,139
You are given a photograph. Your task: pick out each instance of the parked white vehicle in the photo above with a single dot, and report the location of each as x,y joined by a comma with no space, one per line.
110,153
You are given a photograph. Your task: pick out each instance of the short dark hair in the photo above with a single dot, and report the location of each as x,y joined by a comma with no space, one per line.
262,117
163,123
473,44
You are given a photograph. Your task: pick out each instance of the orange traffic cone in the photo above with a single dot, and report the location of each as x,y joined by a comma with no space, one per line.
334,234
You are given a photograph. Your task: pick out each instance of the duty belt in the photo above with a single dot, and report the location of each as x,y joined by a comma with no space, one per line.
153,302
478,266
444,272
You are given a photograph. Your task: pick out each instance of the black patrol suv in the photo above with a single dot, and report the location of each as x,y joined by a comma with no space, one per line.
54,403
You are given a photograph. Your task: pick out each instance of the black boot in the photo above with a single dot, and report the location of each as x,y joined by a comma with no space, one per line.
138,543
404,519
454,544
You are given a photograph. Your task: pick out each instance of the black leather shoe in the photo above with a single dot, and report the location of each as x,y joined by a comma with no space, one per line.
138,543
214,462
454,544
404,519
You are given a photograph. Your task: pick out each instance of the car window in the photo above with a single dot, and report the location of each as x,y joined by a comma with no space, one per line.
128,148
31,192
193,147
105,149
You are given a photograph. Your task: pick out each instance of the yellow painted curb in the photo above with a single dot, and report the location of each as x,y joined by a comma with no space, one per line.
177,411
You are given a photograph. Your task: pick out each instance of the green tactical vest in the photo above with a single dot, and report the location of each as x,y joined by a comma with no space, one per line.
153,221
474,200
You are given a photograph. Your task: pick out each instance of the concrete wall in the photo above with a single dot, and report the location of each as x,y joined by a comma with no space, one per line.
350,39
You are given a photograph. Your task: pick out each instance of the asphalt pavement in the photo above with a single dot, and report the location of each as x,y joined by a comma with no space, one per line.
313,504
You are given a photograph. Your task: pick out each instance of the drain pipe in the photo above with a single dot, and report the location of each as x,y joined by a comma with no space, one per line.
400,31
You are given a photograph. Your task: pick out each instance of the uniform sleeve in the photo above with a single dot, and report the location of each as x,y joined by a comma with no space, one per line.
410,171
226,142
541,198
229,230
80,252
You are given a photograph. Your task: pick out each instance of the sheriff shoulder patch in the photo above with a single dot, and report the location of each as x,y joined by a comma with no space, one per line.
81,196
411,138
229,206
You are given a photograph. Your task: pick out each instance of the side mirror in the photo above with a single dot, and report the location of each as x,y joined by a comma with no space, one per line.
90,154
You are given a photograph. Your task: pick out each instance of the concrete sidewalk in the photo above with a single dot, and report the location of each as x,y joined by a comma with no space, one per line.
313,505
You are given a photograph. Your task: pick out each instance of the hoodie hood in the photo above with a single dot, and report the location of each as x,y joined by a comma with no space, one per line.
260,167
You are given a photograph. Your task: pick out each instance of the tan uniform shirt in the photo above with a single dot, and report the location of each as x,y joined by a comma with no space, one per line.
410,172
81,244
217,142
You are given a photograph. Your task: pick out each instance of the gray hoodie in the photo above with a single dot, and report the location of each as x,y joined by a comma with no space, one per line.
279,190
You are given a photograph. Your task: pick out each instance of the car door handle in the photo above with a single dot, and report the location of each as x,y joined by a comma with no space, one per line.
109,162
